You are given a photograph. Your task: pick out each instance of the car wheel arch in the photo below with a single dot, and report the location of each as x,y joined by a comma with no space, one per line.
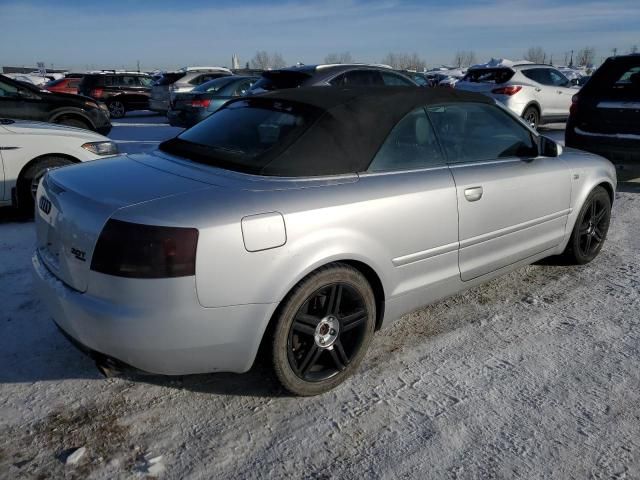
535,105
37,159
72,113
579,200
372,276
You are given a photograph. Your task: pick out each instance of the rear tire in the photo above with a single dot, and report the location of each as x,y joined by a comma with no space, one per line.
590,230
30,179
532,117
323,330
116,109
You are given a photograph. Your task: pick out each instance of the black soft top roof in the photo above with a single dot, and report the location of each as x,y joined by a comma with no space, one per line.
354,124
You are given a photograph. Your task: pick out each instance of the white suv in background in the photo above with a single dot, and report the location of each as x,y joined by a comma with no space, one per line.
538,93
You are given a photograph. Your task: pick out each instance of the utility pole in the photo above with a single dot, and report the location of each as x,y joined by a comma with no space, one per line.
571,61
615,51
138,62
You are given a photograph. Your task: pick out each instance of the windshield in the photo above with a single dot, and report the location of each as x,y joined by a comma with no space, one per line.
243,136
214,85
485,75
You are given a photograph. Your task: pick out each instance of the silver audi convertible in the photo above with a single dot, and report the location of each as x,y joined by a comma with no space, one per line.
302,221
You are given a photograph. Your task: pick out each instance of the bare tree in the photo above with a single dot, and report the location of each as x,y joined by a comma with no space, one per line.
464,59
633,49
535,55
405,61
344,57
263,60
277,60
586,56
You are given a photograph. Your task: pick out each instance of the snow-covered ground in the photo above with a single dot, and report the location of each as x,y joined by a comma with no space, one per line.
534,375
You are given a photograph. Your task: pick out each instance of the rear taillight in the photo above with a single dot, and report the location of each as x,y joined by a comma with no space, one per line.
201,103
509,90
96,93
574,105
134,250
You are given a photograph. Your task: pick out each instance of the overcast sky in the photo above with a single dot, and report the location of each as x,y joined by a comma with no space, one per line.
173,33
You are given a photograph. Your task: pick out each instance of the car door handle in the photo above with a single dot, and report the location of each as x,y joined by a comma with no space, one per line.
538,89
559,92
473,194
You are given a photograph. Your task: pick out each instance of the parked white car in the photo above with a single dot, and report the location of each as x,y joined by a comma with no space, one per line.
29,149
538,93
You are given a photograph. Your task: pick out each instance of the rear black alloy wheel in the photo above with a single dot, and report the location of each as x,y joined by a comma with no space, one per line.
532,117
324,330
117,109
590,230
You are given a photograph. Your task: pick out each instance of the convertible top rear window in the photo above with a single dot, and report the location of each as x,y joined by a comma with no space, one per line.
245,135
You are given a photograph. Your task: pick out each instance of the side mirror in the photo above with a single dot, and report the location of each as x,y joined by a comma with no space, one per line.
549,148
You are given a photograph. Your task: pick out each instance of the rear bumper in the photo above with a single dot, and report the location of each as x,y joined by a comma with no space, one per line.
160,328
623,153
185,118
160,106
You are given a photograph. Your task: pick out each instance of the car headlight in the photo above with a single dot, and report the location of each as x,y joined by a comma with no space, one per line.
101,148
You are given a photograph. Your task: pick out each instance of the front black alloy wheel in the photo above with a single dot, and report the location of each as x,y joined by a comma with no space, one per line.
590,230
324,329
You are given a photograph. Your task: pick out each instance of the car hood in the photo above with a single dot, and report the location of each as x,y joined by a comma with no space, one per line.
42,128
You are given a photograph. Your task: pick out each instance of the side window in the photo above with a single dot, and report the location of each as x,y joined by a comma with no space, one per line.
477,132
242,87
391,79
8,90
411,144
145,82
127,81
558,79
109,81
358,78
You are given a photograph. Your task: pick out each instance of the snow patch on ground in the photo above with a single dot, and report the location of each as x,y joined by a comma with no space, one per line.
533,375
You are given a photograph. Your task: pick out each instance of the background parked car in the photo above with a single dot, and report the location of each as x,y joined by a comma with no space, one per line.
418,77
538,93
189,108
183,80
605,115
121,91
26,102
68,84
342,75
30,149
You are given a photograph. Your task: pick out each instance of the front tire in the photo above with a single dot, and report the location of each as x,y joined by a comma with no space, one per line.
590,230
30,179
323,330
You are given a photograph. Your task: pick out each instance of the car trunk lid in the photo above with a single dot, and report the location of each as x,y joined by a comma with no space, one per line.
74,203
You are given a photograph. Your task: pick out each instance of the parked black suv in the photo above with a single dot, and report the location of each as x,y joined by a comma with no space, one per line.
605,115
121,91
22,101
